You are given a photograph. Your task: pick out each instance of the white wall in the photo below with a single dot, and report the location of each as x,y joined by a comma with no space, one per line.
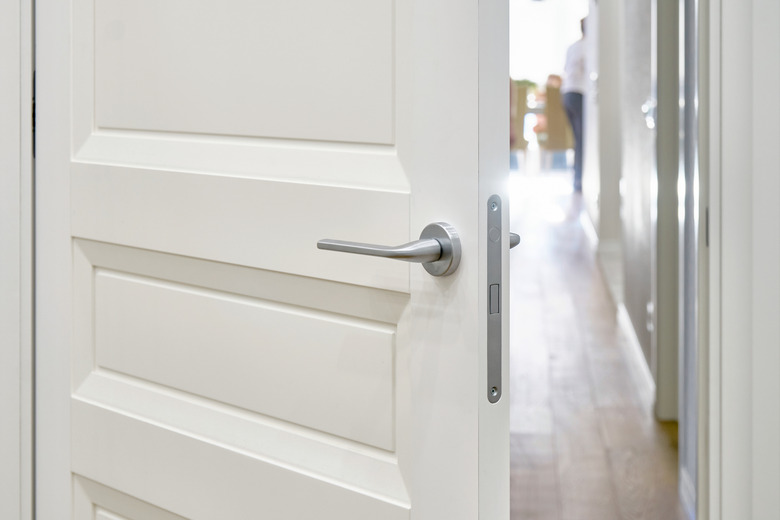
610,47
638,169
540,33
591,177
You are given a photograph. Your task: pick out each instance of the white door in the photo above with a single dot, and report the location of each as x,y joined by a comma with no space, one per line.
198,356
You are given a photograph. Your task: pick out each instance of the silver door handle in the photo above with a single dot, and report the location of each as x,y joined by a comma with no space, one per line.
438,249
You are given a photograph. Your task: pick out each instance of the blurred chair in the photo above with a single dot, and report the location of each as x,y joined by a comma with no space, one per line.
517,110
557,136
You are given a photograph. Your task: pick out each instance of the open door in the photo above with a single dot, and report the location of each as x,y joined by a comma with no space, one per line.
197,355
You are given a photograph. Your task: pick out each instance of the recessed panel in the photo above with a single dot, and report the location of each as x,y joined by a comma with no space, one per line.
299,69
316,369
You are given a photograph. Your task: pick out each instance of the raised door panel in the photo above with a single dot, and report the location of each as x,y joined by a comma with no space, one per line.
300,69
271,224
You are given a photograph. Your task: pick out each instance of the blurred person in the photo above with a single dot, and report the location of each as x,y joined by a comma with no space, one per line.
573,89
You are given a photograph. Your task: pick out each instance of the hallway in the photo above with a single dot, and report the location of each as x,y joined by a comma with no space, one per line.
584,444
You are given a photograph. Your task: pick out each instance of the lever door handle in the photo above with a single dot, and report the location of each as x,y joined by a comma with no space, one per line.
438,249
427,250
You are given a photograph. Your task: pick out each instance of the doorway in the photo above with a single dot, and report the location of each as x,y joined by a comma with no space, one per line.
594,431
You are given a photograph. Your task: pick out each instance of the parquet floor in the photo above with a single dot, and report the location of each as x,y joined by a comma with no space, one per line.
585,445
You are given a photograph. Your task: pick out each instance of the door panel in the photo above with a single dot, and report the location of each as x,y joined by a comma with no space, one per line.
260,348
221,366
172,66
187,214
202,474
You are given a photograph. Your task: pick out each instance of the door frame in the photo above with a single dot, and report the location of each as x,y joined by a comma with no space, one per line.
739,368
16,261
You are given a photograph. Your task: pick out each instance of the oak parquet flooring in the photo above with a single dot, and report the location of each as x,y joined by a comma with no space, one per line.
536,493
645,478
584,443
586,486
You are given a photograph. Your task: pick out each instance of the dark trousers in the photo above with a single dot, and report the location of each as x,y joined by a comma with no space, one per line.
572,102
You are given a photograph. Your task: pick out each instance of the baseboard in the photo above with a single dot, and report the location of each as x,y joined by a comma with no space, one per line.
635,358
609,256
687,494
590,230
610,247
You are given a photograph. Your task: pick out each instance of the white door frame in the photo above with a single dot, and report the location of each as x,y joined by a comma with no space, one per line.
742,388
16,261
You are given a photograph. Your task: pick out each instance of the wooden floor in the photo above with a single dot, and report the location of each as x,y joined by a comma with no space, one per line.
585,444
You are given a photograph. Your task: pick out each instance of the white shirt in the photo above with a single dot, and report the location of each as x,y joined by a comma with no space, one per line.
574,71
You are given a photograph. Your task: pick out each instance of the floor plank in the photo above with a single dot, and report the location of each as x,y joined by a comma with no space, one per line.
584,444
